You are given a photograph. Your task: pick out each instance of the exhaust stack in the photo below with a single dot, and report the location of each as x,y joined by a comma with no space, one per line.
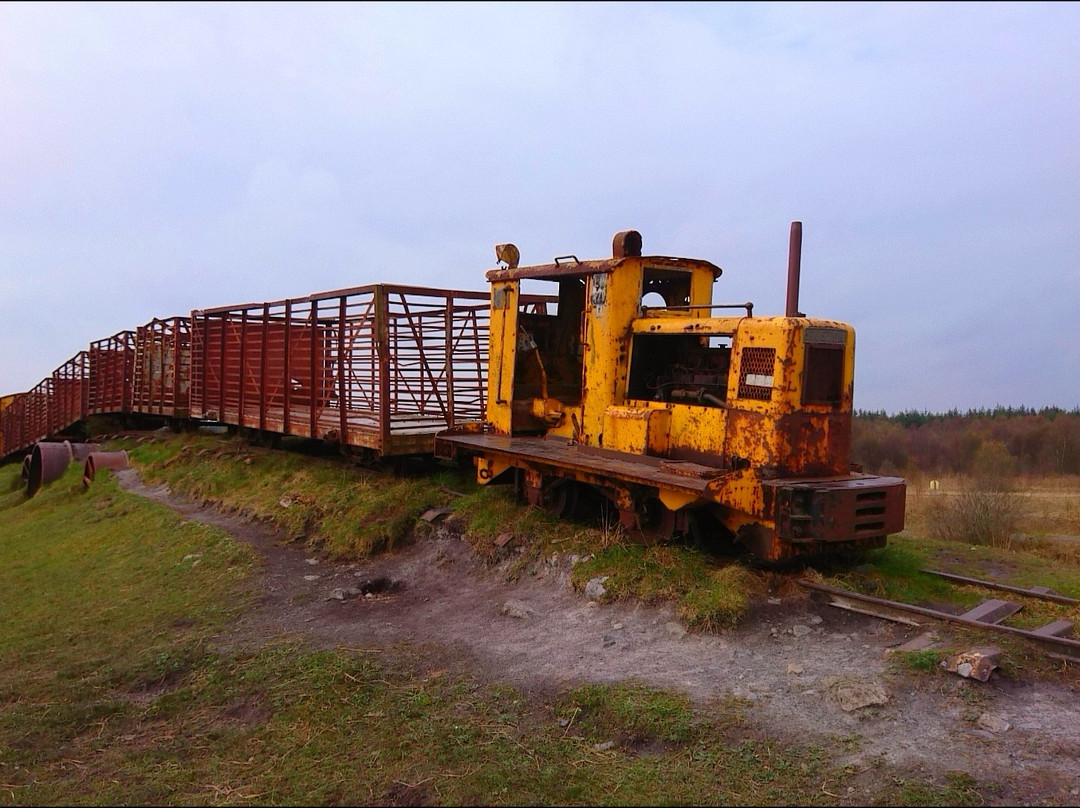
794,266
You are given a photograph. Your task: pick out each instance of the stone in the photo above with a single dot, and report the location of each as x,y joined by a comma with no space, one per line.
854,694
800,630
517,609
978,663
431,514
595,589
994,723
603,747
311,561
795,669
675,629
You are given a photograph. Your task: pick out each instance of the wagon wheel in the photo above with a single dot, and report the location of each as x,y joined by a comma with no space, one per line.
560,499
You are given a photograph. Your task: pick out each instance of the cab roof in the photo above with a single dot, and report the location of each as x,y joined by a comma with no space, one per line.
571,267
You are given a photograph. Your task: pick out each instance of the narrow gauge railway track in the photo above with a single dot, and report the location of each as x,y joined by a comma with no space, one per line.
1055,638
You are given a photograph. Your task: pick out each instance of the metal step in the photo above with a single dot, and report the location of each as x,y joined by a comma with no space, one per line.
992,611
1059,628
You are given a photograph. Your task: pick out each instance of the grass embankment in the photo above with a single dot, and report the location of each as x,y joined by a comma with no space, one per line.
114,692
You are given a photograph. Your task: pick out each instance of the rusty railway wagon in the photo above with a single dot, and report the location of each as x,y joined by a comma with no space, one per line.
377,369
690,417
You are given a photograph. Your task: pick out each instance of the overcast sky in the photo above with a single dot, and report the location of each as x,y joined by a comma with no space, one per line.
159,158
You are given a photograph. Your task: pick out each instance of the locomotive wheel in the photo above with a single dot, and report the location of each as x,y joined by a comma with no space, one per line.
560,499
651,522
709,534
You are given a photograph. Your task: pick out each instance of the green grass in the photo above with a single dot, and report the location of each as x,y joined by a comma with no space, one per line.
915,661
708,594
348,512
119,685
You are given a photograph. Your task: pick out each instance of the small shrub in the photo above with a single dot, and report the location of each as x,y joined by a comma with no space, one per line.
987,511
977,517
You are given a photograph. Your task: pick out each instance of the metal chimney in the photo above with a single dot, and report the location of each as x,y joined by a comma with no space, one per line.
794,265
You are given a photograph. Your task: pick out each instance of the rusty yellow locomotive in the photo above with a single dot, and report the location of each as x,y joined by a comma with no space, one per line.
690,417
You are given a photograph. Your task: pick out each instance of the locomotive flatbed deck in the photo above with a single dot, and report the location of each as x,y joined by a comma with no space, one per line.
638,469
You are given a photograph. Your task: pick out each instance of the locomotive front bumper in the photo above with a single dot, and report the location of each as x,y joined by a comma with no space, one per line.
862,506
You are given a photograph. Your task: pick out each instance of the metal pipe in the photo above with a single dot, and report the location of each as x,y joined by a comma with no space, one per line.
794,266
102,460
47,463
80,451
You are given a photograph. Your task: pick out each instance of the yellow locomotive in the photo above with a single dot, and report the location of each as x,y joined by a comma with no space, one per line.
690,417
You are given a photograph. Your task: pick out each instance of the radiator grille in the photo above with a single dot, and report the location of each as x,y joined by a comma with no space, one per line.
756,373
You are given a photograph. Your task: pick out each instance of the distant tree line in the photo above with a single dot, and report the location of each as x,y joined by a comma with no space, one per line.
1008,439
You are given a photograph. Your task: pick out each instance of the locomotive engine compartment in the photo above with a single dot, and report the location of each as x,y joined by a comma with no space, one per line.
680,367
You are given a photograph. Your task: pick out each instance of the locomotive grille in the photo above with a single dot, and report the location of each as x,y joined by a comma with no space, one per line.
870,511
756,373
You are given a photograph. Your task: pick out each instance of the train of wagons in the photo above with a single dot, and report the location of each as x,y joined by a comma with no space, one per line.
624,380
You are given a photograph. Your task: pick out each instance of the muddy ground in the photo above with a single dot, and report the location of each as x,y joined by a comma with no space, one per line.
795,667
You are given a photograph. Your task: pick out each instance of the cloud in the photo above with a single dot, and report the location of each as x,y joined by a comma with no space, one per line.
162,157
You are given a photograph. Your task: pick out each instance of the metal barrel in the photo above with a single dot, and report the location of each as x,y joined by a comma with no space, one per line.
80,451
102,460
47,463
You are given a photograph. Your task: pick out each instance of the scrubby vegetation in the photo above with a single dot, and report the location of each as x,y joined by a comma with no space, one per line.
1038,442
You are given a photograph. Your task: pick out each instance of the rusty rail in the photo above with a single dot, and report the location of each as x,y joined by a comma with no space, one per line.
1041,592
1049,637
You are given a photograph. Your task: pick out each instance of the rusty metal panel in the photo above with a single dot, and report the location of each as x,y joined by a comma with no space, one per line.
70,388
162,370
14,424
37,411
241,373
111,371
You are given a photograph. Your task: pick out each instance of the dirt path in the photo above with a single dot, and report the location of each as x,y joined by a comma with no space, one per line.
791,667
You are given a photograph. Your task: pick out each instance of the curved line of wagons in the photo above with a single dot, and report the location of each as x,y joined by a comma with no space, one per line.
378,369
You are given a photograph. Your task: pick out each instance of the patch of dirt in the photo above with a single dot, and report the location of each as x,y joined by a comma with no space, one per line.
802,671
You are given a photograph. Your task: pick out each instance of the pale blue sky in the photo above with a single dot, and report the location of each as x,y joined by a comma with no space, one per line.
156,158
